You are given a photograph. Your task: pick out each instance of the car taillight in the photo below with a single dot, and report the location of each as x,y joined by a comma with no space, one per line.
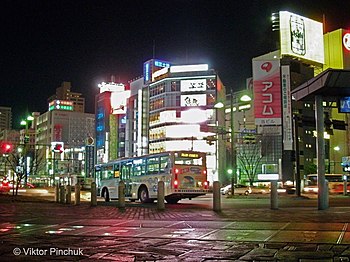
176,184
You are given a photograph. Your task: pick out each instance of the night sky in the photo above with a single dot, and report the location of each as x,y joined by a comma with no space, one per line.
47,42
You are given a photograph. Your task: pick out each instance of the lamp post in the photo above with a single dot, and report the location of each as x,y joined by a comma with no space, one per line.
233,150
336,150
232,168
25,150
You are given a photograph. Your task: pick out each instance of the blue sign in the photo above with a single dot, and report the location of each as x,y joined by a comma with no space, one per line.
344,105
159,63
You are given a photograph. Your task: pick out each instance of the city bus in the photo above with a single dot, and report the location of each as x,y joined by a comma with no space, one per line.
335,183
184,174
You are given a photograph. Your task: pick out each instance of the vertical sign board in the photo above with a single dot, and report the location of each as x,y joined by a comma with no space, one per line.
267,92
89,160
286,108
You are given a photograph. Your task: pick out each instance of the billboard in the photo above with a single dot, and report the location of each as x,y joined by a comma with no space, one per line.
194,100
346,40
119,102
346,48
151,66
193,85
267,92
301,37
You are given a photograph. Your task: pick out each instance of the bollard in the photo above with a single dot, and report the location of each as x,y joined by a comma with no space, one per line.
121,195
57,193
77,194
62,194
274,195
216,197
93,194
68,194
160,196
345,186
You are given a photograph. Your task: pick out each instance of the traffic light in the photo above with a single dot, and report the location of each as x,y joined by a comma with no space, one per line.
6,147
210,140
58,147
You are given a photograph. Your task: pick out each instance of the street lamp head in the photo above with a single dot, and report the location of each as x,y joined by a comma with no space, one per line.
23,123
219,105
245,98
30,118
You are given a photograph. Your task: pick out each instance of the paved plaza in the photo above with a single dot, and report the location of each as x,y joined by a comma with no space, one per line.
34,229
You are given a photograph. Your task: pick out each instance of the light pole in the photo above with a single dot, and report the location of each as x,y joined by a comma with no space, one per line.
25,150
231,169
336,150
233,149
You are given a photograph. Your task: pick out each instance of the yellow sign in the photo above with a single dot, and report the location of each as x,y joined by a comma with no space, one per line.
190,155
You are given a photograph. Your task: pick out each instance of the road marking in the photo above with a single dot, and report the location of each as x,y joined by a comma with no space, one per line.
341,236
277,231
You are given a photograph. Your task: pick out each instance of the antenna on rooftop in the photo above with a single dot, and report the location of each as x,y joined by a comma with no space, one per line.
154,48
113,78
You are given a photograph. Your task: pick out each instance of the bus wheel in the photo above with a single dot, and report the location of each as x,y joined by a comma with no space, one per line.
143,195
172,200
105,194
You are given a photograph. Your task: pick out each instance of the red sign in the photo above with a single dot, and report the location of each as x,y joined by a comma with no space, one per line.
267,92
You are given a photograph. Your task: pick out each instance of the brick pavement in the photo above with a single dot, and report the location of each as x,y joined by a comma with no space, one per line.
45,215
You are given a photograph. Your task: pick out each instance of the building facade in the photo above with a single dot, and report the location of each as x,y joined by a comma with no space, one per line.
172,108
64,93
5,118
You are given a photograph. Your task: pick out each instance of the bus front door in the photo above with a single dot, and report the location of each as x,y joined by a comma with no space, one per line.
125,176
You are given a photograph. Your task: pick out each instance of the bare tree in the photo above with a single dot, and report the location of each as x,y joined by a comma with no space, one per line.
249,156
18,165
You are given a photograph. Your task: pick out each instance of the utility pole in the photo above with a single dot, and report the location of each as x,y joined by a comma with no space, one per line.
233,150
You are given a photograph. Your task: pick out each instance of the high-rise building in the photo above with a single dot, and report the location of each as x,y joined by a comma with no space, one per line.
70,129
110,107
5,118
64,93
172,108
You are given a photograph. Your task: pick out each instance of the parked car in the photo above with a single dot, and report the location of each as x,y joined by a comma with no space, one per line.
4,187
239,190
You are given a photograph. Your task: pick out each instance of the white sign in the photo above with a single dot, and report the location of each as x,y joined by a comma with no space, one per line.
268,177
301,37
119,102
194,100
346,41
286,108
193,85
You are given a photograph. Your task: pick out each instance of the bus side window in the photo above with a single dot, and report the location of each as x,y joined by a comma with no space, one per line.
116,170
153,166
139,167
164,164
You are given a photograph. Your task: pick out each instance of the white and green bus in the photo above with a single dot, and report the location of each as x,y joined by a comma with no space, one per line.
184,174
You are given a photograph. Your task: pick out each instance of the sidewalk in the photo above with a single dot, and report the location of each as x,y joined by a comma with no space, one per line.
142,233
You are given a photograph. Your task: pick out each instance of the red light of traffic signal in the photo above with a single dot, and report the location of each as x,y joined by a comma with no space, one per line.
6,147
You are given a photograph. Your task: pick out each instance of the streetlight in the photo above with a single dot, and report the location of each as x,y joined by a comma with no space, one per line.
25,149
232,168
